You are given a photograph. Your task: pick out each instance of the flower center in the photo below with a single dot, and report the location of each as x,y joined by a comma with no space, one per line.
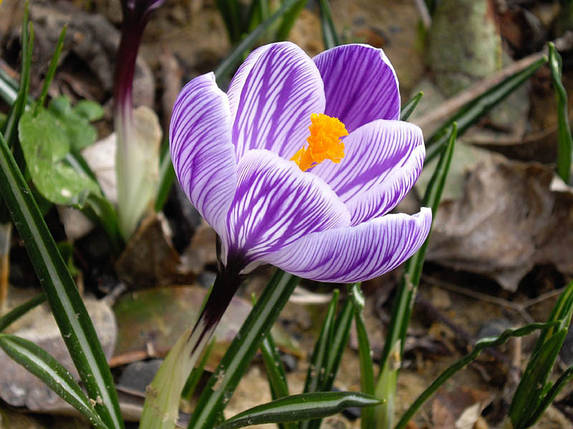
323,143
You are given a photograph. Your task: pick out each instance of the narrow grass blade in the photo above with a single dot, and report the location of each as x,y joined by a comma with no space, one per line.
299,407
365,355
460,364
230,10
249,41
329,33
565,141
222,384
275,373
274,367
413,270
8,88
10,130
50,371
289,20
52,67
166,178
61,292
337,344
471,112
549,397
14,314
321,348
529,400
341,334
197,372
404,301
561,312
258,12
410,106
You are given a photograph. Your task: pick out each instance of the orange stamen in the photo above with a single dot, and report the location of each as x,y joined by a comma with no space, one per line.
323,143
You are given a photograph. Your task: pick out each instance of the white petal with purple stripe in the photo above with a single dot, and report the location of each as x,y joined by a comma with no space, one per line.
382,161
277,204
359,83
272,97
357,253
201,150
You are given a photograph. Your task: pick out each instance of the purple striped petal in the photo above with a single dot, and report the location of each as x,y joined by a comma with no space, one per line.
382,162
277,204
272,96
357,253
201,149
360,85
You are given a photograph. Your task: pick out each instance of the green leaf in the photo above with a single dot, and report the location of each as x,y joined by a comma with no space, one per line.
340,336
472,111
413,269
410,106
166,178
230,10
222,384
50,371
27,41
275,373
45,146
257,13
289,20
404,301
61,292
274,367
549,397
299,407
467,359
329,33
14,314
8,89
74,121
249,41
197,372
365,355
565,141
319,356
336,345
89,110
529,400
52,68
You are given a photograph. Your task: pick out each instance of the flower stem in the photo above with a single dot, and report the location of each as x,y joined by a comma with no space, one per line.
135,161
161,406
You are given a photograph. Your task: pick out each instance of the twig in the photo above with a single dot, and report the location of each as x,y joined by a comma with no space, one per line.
520,308
459,332
432,120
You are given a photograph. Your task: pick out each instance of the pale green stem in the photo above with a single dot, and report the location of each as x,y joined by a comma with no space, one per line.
386,391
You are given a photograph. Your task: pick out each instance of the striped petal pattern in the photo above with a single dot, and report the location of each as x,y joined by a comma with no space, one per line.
232,155
360,85
201,149
277,204
272,97
355,254
382,162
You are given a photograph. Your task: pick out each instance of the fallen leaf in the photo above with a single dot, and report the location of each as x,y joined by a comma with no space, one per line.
151,321
506,221
459,408
20,388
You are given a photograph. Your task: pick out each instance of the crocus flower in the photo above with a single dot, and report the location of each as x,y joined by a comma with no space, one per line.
297,165
137,153
300,162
